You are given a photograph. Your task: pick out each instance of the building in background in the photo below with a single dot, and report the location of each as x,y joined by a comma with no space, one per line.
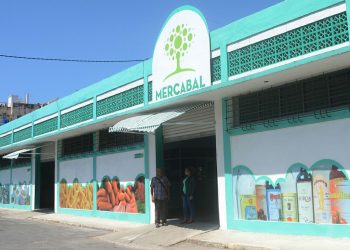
15,108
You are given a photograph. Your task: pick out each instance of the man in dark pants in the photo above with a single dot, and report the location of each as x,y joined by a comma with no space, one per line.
160,191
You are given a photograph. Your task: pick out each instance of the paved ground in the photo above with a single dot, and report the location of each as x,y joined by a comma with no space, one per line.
20,231
37,230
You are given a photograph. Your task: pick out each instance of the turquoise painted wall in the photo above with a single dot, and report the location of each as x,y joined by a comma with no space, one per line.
276,15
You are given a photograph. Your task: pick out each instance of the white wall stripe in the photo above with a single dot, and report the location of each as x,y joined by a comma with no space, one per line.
215,53
80,105
45,118
74,125
4,134
23,127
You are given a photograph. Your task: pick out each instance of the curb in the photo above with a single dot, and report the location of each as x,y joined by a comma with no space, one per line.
76,224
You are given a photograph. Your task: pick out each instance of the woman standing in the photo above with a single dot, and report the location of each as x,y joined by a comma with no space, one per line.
188,188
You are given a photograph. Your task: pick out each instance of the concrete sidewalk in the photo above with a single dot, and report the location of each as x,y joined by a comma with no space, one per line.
141,236
254,241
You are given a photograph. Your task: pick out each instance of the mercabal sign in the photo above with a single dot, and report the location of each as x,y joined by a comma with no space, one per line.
181,59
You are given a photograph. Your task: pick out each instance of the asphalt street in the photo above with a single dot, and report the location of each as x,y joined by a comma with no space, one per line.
35,234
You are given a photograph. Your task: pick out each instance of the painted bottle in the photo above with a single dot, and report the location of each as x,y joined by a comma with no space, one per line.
305,197
247,197
274,207
261,205
321,194
289,202
339,191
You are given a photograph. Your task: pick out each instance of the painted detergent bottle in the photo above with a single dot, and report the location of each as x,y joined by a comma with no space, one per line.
247,197
305,197
261,205
273,196
321,193
339,189
289,202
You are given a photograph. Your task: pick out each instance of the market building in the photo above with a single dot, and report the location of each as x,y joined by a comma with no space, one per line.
260,107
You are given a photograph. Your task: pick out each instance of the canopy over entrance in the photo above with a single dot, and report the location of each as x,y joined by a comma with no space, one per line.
25,153
148,123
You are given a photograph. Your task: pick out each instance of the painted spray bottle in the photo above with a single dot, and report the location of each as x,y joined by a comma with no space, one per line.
340,196
305,197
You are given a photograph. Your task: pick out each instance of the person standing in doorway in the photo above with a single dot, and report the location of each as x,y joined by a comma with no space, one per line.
188,189
160,192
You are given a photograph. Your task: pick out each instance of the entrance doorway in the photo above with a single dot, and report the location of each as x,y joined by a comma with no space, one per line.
201,155
47,185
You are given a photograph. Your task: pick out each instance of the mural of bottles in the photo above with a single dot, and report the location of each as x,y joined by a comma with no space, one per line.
4,194
319,195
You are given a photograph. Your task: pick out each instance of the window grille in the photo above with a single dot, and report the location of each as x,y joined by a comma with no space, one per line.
76,145
325,93
108,140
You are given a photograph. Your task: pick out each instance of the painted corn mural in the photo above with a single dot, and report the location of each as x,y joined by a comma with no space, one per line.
76,195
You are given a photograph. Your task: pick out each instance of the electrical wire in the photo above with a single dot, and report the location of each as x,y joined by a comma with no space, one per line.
71,60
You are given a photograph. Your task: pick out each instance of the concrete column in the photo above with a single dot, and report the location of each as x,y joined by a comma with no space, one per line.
32,201
220,164
152,169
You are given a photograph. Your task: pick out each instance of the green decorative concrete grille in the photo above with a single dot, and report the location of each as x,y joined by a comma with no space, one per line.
77,116
45,127
150,91
126,99
22,134
215,69
6,140
319,35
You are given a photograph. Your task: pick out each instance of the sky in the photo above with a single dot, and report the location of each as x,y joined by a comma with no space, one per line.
89,29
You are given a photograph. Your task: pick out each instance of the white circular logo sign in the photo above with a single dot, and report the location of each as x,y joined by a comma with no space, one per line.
181,59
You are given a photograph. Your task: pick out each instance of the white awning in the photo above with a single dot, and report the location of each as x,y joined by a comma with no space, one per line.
150,122
15,155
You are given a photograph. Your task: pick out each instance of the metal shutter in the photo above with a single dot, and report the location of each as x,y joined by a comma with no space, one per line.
206,116
47,152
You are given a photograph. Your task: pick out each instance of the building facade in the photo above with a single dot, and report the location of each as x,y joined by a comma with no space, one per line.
259,107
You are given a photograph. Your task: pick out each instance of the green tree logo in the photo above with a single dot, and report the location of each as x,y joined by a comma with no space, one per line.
177,45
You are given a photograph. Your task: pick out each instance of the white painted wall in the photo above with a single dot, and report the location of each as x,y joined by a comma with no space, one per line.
124,165
5,176
273,152
152,169
220,164
56,175
82,169
20,175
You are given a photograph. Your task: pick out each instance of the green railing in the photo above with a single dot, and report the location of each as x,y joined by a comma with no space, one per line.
46,126
319,35
22,134
77,116
120,101
5,140
216,69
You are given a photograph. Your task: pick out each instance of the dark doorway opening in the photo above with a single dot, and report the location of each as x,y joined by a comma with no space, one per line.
47,185
201,155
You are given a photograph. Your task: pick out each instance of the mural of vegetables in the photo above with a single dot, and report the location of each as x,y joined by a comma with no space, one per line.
114,197
76,195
